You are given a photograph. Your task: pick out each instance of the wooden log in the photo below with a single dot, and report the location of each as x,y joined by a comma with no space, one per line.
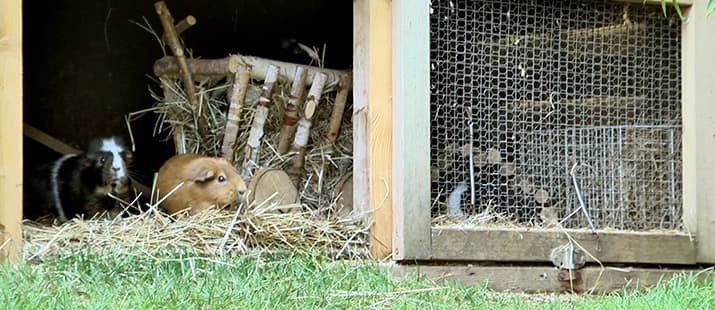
290,118
167,66
167,22
336,115
259,68
341,98
259,119
302,132
238,95
182,26
272,186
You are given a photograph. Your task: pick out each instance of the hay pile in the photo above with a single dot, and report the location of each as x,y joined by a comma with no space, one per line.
214,232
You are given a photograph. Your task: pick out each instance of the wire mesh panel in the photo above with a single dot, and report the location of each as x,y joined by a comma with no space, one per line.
545,111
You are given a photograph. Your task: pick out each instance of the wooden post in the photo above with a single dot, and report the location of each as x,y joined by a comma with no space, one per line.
410,129
698,127
11,129
372,116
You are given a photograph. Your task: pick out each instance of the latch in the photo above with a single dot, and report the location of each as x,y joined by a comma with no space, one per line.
569,260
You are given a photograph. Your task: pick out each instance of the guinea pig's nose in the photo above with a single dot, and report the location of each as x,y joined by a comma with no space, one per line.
115,168
241,192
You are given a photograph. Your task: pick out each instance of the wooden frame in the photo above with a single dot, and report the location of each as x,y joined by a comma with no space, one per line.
415,239
540,279
372,113
698,113
10,128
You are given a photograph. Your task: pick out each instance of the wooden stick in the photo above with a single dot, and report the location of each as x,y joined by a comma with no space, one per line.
203,67
48,141
336,116
238,95
167,22
290,118
302,132
259,119
168,66
182,26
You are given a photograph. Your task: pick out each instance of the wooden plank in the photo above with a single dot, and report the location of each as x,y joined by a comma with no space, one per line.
48,141
410,129
11,127
359,118
535,245
372,119
698,142
539,279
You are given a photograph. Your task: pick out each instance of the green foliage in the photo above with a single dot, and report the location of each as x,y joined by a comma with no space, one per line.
664,4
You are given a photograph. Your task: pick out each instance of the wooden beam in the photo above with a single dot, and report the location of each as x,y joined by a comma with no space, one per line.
532,279
11,127
411,129
535,245
698,71
372,119
48,141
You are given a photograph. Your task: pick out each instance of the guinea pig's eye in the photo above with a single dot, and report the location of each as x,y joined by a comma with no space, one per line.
221,179
101,159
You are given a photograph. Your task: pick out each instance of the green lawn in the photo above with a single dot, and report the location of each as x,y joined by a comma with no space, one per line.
305,281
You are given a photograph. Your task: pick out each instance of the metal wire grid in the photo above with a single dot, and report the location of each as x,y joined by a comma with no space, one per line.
524,91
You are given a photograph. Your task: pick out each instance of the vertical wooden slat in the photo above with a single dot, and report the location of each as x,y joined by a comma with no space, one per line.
11,126
372,119
699,129
410,129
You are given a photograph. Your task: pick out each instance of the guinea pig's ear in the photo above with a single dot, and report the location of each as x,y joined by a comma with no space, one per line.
203,175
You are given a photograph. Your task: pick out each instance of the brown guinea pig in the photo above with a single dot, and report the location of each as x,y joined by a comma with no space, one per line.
208,182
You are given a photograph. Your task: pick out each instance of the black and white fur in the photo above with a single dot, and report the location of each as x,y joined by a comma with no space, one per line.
79,184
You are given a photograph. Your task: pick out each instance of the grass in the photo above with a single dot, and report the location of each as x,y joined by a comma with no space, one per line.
301,281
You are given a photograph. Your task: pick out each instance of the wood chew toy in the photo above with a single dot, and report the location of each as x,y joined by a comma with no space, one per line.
236,98
336,116
259,120
172,40
272,186
290,116
220,67
302,132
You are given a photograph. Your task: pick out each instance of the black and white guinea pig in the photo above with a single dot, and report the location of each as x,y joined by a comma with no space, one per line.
78,184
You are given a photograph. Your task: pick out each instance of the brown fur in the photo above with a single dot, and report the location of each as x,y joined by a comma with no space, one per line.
202,188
